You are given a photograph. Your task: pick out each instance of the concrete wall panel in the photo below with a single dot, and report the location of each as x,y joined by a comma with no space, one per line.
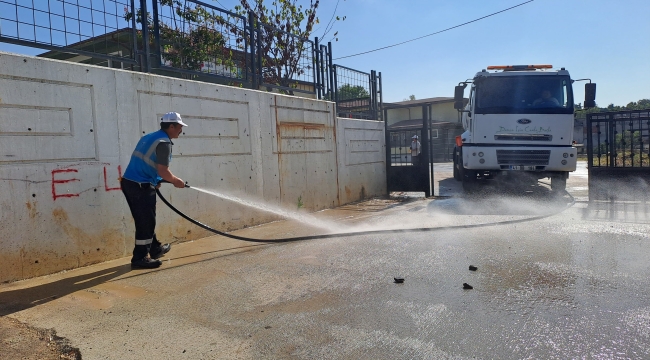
361,147
67,132
46,121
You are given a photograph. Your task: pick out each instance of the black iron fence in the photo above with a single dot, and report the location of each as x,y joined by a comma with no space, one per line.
192,39
357,94
619,139
95,32
618,150
199,40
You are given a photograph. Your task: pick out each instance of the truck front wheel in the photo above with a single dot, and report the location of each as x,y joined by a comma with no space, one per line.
558,183
470,183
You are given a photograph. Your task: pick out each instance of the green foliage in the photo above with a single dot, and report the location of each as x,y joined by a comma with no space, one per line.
627,138
638,105
200,36
282,38
193,39
348,91
300,204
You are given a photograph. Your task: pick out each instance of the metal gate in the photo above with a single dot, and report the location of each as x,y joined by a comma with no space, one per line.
405,172
618,150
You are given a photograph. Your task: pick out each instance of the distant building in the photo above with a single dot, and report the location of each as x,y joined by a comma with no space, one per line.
444,123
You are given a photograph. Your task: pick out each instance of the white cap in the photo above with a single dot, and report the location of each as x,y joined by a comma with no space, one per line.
414,137
172,117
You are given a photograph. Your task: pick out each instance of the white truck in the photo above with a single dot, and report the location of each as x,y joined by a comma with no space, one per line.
518,124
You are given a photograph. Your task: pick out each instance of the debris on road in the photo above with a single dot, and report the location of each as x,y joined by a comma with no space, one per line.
473,268
467,286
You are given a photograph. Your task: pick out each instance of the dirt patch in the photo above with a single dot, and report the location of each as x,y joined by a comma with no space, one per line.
19,341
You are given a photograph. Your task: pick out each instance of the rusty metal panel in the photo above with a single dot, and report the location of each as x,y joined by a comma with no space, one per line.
305,146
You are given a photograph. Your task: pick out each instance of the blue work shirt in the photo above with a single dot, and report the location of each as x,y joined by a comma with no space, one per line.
142,167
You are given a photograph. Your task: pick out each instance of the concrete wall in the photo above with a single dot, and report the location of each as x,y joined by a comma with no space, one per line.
361,159
67,132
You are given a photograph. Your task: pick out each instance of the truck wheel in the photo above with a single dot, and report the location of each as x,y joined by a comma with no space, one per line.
558,183
469,181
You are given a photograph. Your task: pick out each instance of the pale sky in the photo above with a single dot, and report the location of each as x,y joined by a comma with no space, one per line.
607,41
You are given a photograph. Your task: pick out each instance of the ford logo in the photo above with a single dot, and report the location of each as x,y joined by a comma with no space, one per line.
524,121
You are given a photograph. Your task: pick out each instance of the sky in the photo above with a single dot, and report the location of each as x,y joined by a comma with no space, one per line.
603,40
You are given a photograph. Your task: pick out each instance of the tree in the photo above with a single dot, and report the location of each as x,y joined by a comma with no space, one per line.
197,35
638,105
283,39
191,38
348,91
411,97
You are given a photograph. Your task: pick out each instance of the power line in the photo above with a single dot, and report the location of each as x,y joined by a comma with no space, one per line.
437,32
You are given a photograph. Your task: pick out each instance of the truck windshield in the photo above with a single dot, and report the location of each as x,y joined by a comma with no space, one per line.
526,94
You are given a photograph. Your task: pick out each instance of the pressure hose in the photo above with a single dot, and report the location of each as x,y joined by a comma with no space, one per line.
358,233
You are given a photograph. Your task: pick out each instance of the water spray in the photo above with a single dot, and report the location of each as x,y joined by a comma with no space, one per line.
357,233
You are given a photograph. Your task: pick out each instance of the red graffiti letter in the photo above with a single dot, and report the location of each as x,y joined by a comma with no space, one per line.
58,181
119,171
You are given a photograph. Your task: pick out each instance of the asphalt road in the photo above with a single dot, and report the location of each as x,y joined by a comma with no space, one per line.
555,279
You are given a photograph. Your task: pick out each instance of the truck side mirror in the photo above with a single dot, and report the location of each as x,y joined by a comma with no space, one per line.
459,92
590,95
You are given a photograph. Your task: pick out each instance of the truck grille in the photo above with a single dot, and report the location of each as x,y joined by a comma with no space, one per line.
524,137
523,157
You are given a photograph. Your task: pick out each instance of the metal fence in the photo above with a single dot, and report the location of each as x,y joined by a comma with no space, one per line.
199,39
192,39
619,139
618,150
357,94
91,31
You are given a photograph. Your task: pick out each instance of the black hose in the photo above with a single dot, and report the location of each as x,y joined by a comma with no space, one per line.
369,232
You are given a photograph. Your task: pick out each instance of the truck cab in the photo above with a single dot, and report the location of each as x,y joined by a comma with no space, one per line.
518,123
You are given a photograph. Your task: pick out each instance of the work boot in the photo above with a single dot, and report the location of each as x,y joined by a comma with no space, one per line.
159,252
145,263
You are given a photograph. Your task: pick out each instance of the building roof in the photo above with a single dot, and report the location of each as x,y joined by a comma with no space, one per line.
409,103
417,124
114,40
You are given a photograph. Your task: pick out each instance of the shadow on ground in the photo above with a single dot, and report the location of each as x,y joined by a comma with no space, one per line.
12,301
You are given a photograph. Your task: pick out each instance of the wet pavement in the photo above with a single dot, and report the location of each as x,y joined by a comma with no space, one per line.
554,280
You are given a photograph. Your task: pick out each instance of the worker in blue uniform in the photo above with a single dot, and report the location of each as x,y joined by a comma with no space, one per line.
149,165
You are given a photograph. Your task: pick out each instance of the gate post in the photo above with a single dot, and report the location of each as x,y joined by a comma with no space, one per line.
317,56
145,34
388,150
253,43
425,156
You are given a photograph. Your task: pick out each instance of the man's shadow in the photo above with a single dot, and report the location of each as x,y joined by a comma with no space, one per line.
16,300
12,301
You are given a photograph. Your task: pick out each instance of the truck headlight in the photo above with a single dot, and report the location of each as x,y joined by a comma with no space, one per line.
565,155
482,161
563,162
480,154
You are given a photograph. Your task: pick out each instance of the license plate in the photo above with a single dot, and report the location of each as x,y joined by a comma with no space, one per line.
521,167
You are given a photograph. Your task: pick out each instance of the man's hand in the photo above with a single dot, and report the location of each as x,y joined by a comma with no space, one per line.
179,183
